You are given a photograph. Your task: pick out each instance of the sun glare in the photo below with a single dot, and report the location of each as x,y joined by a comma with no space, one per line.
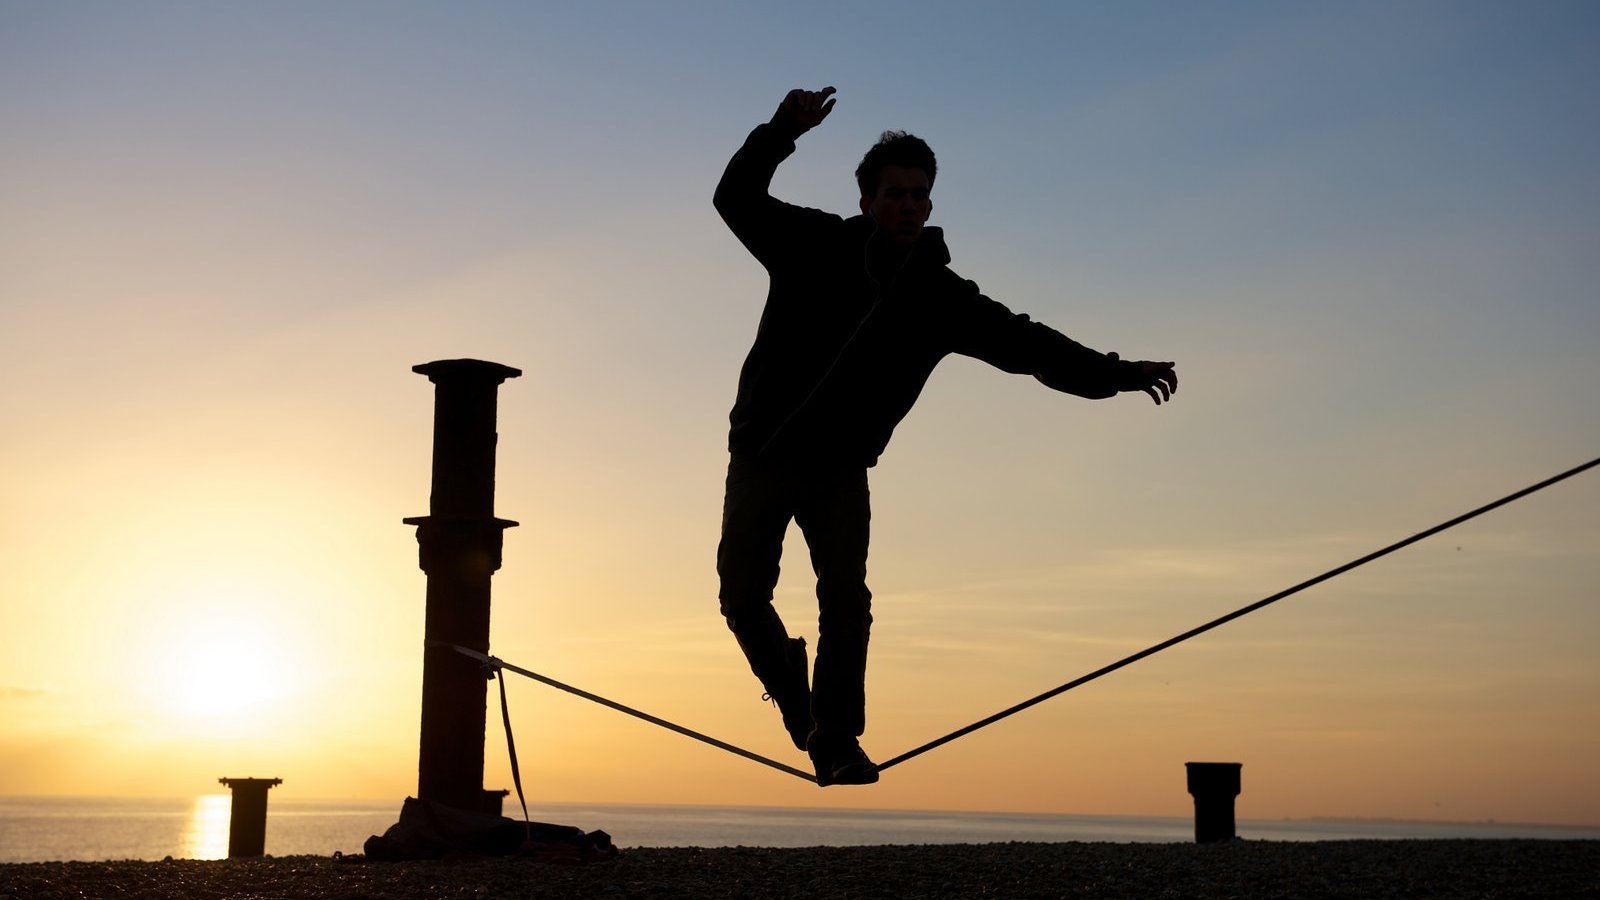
221,673
219,677
206,834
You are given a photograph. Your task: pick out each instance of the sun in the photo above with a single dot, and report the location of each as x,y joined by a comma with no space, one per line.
228,675
216,673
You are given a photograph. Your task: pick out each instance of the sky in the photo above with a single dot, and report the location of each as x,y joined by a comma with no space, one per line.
1368,233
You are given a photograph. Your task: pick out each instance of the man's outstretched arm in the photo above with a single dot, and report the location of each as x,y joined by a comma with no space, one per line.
1074,370
743,197
1011,342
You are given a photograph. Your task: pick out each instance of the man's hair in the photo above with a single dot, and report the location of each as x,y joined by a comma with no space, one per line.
894,148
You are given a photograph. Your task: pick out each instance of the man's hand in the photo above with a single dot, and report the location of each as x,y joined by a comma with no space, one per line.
1158,379
806,108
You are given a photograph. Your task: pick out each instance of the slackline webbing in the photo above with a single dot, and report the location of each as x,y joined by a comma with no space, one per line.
495,664
511,748
1242,611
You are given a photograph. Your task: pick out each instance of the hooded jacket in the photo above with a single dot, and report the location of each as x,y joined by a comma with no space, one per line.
852,330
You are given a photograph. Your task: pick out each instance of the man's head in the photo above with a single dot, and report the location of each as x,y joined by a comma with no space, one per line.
895,178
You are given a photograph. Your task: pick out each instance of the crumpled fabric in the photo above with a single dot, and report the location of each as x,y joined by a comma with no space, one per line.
428,830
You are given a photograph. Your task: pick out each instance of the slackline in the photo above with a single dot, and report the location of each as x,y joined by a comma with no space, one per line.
496,664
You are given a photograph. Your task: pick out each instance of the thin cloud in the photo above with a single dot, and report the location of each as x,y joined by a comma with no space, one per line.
20,693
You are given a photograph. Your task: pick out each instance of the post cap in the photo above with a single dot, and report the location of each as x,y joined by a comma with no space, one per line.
1213,777
465,370
249,782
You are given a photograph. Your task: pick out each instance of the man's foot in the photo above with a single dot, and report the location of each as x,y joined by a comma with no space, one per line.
794,697
842,762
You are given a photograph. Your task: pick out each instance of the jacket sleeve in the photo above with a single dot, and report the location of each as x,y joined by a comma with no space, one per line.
1013,343
769,228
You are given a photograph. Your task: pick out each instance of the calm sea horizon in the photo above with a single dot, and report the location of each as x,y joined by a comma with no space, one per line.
43,829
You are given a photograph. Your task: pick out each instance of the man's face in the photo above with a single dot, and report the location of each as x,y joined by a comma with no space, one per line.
902,206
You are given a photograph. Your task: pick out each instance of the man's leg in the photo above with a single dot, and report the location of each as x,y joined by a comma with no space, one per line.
835,513
756,509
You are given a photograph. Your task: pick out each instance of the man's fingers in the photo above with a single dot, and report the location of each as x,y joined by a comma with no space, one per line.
809,99
1163,373
1162,380
826,108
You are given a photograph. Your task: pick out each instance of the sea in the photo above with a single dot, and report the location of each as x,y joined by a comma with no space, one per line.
43,829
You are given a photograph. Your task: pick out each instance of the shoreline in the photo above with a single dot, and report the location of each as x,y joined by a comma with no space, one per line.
1457,868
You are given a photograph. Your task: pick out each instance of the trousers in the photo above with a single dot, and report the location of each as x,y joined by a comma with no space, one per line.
832,506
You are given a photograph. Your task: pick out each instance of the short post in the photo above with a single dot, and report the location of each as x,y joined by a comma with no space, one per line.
1213,785
459,542
247,823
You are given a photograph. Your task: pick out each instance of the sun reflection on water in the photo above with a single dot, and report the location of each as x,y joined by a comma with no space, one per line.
206,836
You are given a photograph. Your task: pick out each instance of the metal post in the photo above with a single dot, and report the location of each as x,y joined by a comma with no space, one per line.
247,821
459,545
1214,785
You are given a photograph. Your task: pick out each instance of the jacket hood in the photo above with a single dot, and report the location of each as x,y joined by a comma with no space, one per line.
930,249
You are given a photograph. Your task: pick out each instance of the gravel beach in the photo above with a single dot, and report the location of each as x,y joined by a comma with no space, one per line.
1244,869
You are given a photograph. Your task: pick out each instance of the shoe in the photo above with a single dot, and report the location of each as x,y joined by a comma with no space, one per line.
842,763
794,699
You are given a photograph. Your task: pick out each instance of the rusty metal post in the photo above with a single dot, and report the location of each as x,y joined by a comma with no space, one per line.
247,817
1213,785
459,544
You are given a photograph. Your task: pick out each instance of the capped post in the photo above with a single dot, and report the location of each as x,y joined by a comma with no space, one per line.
459,545
247,816
1213,785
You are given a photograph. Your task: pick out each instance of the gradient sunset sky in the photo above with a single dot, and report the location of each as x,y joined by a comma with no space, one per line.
1368,233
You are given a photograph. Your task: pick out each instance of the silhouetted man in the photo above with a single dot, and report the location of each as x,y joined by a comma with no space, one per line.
858,313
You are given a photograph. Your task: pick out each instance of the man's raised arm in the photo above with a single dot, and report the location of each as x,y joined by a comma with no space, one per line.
743,197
